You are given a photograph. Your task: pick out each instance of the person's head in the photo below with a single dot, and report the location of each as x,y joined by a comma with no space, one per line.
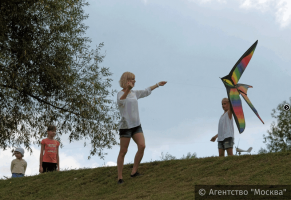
125,78
225,104
19,153
51,131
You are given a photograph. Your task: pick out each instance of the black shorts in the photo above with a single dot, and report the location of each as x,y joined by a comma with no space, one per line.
49,167
130,132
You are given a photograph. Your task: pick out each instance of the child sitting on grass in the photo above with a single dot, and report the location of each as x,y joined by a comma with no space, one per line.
49,153
18,165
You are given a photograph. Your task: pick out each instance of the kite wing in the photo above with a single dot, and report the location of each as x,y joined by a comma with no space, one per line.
240,66
242,88
236,107
234,90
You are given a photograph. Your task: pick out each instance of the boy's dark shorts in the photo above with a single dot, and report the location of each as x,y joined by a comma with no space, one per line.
128,133
226,143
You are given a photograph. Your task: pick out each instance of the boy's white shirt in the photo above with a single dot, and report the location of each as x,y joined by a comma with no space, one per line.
128,108
225,127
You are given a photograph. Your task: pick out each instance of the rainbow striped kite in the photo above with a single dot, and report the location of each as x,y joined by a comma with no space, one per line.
234,89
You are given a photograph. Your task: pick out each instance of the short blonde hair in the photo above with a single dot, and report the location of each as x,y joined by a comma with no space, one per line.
124,78
225,99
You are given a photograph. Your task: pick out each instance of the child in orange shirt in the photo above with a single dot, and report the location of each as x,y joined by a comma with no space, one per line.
49,153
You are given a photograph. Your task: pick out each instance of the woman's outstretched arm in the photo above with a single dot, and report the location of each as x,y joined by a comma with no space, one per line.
162,83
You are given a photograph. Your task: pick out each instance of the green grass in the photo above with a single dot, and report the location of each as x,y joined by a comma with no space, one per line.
174,179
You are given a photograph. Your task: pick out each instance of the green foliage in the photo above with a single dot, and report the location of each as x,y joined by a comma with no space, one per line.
189,156
279,136
49,75
168,156
262,151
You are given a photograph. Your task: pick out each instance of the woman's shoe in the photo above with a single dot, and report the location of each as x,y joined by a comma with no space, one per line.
136,174
120,181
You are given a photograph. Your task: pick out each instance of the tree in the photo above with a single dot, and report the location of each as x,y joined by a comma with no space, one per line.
49,75
279,137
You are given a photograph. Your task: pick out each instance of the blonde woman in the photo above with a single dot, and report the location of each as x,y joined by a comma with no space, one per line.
130,126
225,130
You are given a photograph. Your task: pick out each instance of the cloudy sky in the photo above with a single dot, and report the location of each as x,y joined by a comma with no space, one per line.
190,44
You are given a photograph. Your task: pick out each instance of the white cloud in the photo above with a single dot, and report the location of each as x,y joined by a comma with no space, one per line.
68,162
283,13
111,163
209,1
262,5
94,165
145,2
280,8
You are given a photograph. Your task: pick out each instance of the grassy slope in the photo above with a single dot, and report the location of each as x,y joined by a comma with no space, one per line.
161,180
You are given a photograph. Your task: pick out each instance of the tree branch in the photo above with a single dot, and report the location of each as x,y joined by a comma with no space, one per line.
39,99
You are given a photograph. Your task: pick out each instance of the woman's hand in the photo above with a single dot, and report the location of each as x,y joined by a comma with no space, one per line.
40,169
162,83
129,85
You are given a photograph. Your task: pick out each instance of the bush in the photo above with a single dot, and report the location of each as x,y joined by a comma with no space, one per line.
189,156
168,156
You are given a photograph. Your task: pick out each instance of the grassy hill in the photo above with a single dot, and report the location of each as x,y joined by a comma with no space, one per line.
175,179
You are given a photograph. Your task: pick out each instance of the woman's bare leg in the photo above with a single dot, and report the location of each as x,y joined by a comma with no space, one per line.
124,142
140,141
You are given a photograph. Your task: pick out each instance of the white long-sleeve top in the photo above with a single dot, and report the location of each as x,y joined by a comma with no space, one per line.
128,108
225,127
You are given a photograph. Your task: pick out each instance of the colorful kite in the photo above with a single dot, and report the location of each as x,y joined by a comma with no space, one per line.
234,89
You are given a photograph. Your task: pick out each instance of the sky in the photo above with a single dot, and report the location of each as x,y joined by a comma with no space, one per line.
189,44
